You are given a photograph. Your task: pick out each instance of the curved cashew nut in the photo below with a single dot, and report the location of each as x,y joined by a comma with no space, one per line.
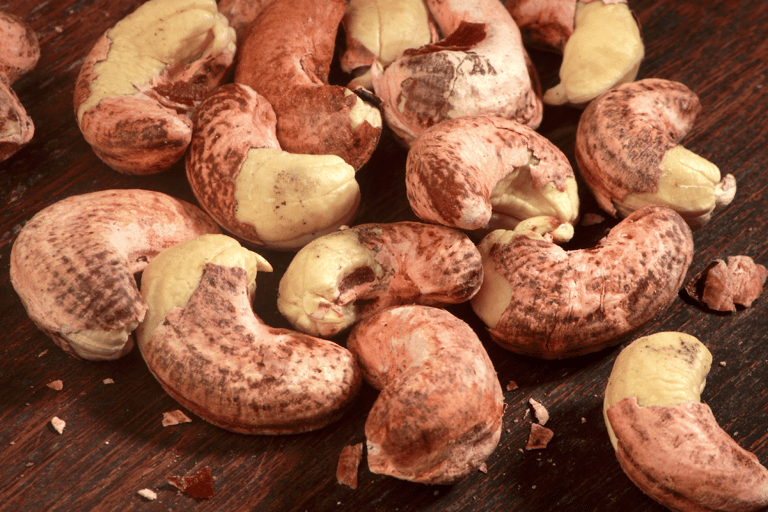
438,416
255,190
210,352
344,276
286,57
627,150
73,264
475,170
538,299
137,117
480,68
668,442
600,41
19,53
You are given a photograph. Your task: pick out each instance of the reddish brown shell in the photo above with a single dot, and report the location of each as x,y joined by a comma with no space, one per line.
546,25
73,263
220,361
453,167
20,48
680,457
438,416
568,303
16,125
623,134
286,57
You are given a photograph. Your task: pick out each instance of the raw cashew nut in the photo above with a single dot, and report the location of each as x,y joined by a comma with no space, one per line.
19,53
143,78
668,442
344,276
479,68
73,264
628,152
209,351
380,31
600,41
241,13
255,190
540,300
438,416
475,170
286,57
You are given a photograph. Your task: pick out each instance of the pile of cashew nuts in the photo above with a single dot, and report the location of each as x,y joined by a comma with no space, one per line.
239,93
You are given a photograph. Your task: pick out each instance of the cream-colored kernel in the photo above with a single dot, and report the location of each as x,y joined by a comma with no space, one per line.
363,112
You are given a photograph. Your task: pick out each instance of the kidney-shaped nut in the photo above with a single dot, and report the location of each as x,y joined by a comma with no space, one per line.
19,53
143,78
255,190
479,68
211,353
438,416
341,277
600,41
286,57
380,31
488,172
540,300
73,264
668,442
628,152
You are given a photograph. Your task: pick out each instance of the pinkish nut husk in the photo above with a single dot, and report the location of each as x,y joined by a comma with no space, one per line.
16,126
453,170
145,127
20,48
438,416
539,437
479,68
340,278
540,300
248,377
679,456
73,264
348,465
286,57
544,25
740,281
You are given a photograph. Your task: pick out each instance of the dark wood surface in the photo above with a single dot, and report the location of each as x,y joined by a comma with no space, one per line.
114,443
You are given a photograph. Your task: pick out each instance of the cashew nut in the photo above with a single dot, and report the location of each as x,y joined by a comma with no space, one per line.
600,41
73,264
488,172
210,352
438,416
479,68
286,57
255,190
628,152
540,300
241,13
143,78
344,276
19,53
668,442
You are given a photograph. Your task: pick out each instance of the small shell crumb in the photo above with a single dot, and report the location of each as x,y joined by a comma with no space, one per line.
541,413
58,424
512,385
176,417
148,494
57,385
108,381
349,461
539,437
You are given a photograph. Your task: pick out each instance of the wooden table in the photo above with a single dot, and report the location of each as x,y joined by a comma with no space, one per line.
114,444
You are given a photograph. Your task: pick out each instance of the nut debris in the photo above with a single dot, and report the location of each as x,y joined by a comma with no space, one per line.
539,437
197,485
57,385
542,415
148,494
58,424
176,417
349,462
720,286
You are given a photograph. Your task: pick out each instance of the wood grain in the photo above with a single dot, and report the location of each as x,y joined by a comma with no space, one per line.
114,443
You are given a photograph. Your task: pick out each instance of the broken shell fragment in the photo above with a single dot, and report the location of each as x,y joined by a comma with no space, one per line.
212,354
540,300
720,286
143,78
627,149
439,413
73,264
344,276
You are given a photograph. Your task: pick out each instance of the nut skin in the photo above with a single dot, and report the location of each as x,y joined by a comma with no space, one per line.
148,131
340,278
439,413
19,55
479,68
624,134
568,303
73,263
220,361
286,57
681,457
453,167
546,25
